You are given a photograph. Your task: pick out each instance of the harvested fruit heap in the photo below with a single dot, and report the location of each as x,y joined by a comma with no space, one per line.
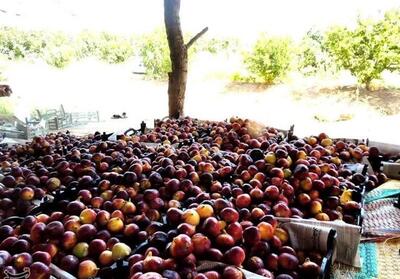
208,191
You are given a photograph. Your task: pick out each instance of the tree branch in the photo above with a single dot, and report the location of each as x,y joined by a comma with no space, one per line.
195,38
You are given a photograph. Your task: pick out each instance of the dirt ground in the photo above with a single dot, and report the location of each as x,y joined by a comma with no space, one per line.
386,101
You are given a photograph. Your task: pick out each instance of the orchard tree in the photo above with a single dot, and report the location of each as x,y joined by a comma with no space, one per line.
390,28
269,60
369,49
177,78
311,55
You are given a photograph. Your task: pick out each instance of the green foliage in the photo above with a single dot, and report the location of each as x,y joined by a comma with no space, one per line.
312,57
154,53
87,44
215,46
15,43
268,61
114,49
243,76
59,56
369,49
6,106
2,68
59,49
366,50
390,29
108,47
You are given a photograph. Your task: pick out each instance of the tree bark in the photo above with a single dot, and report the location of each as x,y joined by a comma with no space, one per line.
368,85
177,78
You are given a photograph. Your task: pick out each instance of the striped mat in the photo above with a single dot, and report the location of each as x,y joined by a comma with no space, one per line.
386,190
379,261
380,256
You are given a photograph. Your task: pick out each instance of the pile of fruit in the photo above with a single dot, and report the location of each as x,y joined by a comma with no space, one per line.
207,191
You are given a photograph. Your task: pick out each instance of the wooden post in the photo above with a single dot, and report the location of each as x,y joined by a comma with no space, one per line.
177,78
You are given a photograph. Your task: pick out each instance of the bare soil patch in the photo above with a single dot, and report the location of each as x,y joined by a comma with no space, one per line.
386,101
237,86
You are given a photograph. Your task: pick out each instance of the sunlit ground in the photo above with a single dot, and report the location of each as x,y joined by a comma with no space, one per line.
312,104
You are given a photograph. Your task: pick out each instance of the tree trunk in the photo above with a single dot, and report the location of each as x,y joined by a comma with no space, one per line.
368,85
177,78
179,59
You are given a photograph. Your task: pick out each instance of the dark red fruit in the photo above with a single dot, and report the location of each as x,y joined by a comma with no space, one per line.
235,256
41,256
39,270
